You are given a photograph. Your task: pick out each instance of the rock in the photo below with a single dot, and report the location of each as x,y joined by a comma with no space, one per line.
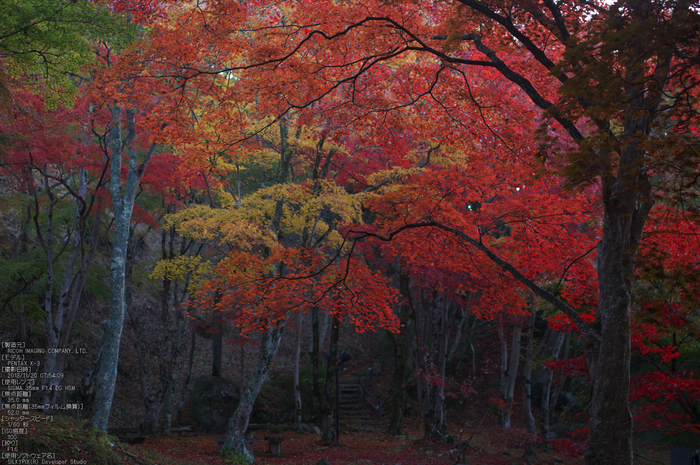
214,399
311,428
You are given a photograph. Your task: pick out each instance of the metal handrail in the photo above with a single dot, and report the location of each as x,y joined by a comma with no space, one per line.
367,396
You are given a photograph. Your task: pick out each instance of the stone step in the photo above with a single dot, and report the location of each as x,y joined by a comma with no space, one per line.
359,406
350,414
379,429
354,413
363,420
369,430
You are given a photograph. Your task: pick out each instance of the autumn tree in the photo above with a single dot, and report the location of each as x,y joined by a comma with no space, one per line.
277,238
47,51
618,80
143,114
612,88
50,42
63,176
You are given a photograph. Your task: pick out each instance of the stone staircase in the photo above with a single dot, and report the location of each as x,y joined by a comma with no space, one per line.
354,413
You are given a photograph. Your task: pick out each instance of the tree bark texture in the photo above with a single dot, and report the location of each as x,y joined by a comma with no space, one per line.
122,204
238,424
327,425
297,361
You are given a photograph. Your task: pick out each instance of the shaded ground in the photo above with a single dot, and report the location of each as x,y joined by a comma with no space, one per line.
355,449
298,449
67,438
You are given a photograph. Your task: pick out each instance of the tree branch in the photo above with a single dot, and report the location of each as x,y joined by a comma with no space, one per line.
587,330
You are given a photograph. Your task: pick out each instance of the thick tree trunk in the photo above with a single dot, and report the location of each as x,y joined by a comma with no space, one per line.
627,201
122,204
107,374
422,361
318,335
610,441
327,403
238,424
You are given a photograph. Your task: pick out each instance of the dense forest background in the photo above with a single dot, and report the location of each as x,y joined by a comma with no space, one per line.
490,207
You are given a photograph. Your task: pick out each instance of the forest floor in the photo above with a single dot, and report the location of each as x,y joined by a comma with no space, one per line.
305,448
490,448
67,438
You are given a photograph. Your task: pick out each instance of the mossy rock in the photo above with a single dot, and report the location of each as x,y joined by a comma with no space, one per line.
214,399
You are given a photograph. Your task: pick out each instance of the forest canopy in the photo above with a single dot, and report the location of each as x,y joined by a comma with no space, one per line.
415,168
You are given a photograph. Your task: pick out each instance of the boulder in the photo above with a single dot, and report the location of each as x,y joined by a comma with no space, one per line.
311,429
214,399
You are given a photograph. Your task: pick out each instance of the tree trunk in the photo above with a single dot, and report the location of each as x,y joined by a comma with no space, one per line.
242,371
442,325
433,322
509,371
324,324
122,204
297,388
49,365
183,395
398,393
554,396
547,402
627,201
78,286
313,355
327,426
59,321
157,394
216,346
530,446
463,321
238,424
